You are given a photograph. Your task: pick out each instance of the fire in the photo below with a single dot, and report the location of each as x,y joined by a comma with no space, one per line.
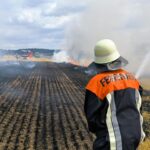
73,61
84,63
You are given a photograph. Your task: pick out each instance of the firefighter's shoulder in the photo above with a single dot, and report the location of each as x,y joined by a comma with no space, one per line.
94,84
94,80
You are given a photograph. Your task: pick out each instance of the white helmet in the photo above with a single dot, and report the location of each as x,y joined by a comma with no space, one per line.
106,52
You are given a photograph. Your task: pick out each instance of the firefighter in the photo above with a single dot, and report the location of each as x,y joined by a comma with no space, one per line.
113,101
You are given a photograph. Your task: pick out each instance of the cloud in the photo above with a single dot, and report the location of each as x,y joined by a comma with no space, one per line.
34,3
38,23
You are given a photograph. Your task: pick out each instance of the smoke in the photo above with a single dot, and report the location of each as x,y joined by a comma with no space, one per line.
9,63
125,22
61,56
28,64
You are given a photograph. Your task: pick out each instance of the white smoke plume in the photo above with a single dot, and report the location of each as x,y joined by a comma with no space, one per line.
125,22
61,56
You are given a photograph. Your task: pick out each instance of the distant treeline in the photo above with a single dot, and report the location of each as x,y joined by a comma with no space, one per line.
33,50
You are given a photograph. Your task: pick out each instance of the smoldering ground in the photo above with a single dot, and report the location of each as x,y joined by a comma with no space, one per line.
9,70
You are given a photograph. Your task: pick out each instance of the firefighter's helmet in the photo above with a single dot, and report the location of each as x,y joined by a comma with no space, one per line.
106,53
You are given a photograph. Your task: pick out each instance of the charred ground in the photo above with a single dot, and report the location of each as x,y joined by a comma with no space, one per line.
42,108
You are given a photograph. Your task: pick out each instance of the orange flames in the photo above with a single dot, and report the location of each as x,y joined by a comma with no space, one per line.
78,63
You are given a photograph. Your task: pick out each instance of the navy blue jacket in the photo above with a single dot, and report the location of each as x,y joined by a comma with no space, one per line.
112,107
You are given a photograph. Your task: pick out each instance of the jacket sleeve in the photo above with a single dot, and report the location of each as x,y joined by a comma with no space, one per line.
141,94
141,90
92,107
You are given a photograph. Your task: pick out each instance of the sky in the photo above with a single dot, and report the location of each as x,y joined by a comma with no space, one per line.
76,26
36,23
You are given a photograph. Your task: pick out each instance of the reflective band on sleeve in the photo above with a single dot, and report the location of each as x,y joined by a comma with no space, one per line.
115,124
110,125
139,102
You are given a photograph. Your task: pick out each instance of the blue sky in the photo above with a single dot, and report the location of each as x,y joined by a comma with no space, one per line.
36,23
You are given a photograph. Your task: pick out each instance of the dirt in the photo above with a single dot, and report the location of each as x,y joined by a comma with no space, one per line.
42,108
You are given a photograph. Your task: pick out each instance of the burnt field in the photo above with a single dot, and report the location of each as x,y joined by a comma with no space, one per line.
41,108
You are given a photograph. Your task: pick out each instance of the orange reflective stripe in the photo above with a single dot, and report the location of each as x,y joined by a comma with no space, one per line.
106,82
